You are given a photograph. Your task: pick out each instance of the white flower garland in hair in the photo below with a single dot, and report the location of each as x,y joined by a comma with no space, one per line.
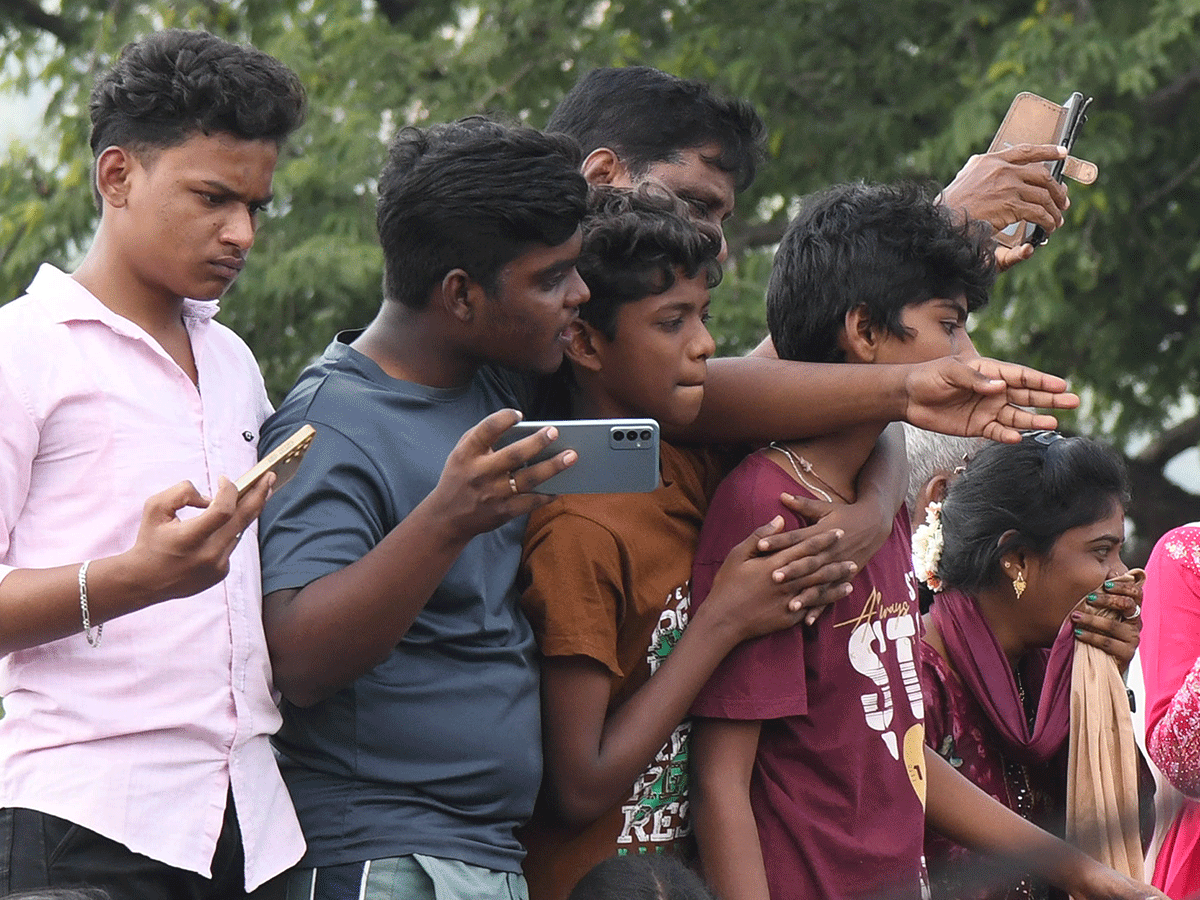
927,544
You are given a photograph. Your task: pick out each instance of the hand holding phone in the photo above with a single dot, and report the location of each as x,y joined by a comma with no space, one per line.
1035,120
284,460
616,456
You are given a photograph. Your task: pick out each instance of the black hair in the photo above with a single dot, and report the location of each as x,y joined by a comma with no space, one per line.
173,84
647,116
1023,497
652,876
472,195
634,240
882,246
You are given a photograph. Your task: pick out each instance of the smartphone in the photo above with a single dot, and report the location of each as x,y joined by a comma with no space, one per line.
616,456
1035,120
284,460
1074,115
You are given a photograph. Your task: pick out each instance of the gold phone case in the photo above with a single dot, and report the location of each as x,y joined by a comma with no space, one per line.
284,460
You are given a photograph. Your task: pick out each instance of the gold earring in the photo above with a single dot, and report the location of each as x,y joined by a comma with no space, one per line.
1019,584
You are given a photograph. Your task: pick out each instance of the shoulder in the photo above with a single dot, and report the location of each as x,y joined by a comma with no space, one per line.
1179,548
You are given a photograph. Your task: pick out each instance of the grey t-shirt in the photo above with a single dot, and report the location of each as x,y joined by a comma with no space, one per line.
437,750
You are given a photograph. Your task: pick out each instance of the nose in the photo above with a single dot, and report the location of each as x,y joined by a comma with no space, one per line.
724,254
703,346
240,228
577,292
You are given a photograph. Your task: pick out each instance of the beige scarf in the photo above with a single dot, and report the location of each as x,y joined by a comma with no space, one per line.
1102,771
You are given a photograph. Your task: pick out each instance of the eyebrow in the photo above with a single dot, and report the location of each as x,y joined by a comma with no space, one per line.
555,268
959,308
220,187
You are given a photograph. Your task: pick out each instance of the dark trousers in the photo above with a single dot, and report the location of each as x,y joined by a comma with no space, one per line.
39,850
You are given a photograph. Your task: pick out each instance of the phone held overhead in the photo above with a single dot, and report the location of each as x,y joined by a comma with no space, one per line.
1035,120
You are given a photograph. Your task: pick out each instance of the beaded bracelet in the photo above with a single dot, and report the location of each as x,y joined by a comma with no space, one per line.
83,608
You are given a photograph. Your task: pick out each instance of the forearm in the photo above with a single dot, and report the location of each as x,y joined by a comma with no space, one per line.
966,815
635,731
723,820
1174,742
758,399
342,625
42,605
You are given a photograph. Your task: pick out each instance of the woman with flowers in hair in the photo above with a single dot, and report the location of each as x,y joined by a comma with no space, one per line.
1023,553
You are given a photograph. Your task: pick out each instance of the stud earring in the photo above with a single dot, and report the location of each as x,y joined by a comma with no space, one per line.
1019,584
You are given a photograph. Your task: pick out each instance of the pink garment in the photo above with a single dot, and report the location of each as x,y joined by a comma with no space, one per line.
1170,654
139,738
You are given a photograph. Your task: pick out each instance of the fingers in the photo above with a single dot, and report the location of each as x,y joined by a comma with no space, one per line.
816,599
483,436
809,509
1007,257
164,504
528,478
1018,376
1118,638
1021,154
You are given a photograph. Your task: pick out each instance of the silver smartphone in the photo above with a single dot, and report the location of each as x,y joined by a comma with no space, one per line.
616,456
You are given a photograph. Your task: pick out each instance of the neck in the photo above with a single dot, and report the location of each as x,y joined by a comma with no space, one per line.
837,458
118,287
996,605
410,345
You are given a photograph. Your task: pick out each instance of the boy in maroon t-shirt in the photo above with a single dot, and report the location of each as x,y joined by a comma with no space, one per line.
809,769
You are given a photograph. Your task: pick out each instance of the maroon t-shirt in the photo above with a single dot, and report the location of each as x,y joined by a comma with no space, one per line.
838,788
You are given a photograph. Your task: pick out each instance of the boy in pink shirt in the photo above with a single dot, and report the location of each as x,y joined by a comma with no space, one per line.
134,751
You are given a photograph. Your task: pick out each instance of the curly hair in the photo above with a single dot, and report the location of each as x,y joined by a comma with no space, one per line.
647,116
634,241
1023,497
884,247
172,84
472,194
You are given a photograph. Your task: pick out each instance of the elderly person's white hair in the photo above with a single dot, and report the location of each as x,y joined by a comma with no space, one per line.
931,453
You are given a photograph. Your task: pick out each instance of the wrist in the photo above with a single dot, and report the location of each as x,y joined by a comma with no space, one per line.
714,626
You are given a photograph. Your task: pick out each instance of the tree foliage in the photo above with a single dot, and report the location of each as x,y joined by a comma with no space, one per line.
849,90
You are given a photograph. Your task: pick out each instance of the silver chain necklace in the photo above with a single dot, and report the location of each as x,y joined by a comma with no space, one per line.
800,465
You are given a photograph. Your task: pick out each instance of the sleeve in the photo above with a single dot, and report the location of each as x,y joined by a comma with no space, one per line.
331,514
1169,651
574,595
18,449
762,678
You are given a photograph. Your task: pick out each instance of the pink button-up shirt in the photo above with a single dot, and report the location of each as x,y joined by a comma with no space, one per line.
140,738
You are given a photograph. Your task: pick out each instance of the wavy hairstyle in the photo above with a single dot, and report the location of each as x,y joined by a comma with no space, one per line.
634,242
172,84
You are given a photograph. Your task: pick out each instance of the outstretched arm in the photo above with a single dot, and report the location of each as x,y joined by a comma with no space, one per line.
965,814
756,399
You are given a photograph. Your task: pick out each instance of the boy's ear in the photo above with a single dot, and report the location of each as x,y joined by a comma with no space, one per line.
114,169
860,337
582,346
603,166
460,295
933,491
